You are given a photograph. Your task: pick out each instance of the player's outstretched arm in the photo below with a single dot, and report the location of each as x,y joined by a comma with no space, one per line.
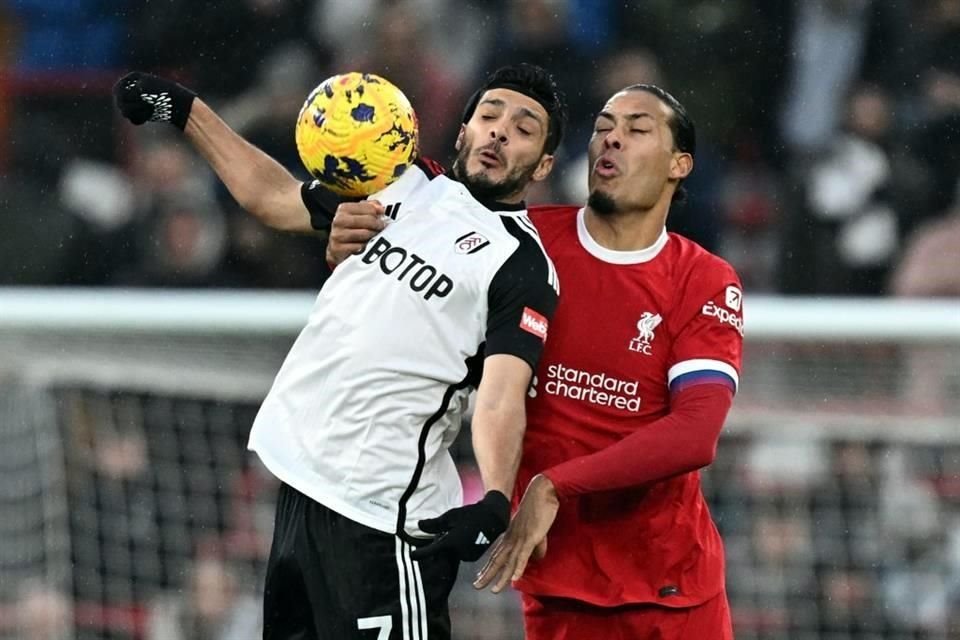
499,421
258,182
684,440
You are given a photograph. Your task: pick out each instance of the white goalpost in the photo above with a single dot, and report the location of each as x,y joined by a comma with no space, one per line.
128,502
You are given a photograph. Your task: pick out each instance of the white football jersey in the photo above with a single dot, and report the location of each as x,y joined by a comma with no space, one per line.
362,413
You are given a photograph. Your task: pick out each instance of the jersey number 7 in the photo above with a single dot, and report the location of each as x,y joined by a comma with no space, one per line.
383,623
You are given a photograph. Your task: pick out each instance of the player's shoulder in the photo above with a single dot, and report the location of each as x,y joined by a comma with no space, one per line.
554,222
430,167
551,215
698,265
419,174
697,275
530,257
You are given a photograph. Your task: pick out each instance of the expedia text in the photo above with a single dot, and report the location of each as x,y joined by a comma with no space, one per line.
724,316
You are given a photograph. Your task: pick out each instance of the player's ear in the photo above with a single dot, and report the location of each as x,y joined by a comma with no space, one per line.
463,132
544,167
681,165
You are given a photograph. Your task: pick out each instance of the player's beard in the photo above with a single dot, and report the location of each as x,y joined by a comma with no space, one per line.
602,203
483,188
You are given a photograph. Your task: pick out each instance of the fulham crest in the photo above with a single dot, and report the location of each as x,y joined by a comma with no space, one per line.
470,243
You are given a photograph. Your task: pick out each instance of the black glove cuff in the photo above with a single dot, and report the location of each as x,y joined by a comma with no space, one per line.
143,97
499,505
181,101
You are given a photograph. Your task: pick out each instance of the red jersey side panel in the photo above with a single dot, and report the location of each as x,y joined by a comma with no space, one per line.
630,327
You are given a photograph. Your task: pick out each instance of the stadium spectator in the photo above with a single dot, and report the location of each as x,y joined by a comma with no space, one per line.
937,104
852,200
114,520
43,613
928,267
217,603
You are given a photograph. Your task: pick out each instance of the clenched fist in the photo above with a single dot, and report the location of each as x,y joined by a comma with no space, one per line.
142,97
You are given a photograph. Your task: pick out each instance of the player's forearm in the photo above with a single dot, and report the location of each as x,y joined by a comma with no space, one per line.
682,441
260,184
497,444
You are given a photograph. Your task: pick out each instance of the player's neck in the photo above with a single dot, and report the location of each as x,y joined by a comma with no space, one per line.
626,231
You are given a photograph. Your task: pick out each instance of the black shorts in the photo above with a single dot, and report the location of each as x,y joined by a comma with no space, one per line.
329,578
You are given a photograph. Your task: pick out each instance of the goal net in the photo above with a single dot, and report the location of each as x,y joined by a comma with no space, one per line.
130,508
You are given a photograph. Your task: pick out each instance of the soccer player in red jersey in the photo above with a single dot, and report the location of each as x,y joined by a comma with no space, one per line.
612,537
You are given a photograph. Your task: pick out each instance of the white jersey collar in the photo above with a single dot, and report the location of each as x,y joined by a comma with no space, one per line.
617,257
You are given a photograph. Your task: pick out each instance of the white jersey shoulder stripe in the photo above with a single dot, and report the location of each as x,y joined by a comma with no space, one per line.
552,279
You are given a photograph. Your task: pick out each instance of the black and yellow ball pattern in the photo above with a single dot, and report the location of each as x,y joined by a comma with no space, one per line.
356,133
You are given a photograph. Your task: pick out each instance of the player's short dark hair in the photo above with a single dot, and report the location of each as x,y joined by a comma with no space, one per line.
681,126
532,81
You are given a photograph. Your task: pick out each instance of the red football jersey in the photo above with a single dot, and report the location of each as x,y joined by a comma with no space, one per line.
630,328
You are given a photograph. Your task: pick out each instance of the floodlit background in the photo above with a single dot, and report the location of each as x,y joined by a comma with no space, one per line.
827,173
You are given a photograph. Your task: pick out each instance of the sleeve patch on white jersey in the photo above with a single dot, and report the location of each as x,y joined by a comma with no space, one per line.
535,323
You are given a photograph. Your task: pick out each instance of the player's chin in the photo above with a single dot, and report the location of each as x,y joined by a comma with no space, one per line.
491,174
602,201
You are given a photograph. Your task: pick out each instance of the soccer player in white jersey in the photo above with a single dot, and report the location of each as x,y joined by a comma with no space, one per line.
455,293
612,537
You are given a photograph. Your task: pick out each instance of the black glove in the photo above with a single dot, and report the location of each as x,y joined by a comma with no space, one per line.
467,531
142,96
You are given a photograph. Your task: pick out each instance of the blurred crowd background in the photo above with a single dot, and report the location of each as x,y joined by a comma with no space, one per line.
828,129
828,163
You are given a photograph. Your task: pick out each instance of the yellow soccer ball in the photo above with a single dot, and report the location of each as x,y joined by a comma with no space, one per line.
356,133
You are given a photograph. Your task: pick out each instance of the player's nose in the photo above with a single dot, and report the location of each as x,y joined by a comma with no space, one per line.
498,134
612,140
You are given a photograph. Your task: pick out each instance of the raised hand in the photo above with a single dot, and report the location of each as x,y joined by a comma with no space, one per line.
143,97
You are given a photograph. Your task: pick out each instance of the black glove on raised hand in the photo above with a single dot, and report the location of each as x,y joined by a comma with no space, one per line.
142,96
467,531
